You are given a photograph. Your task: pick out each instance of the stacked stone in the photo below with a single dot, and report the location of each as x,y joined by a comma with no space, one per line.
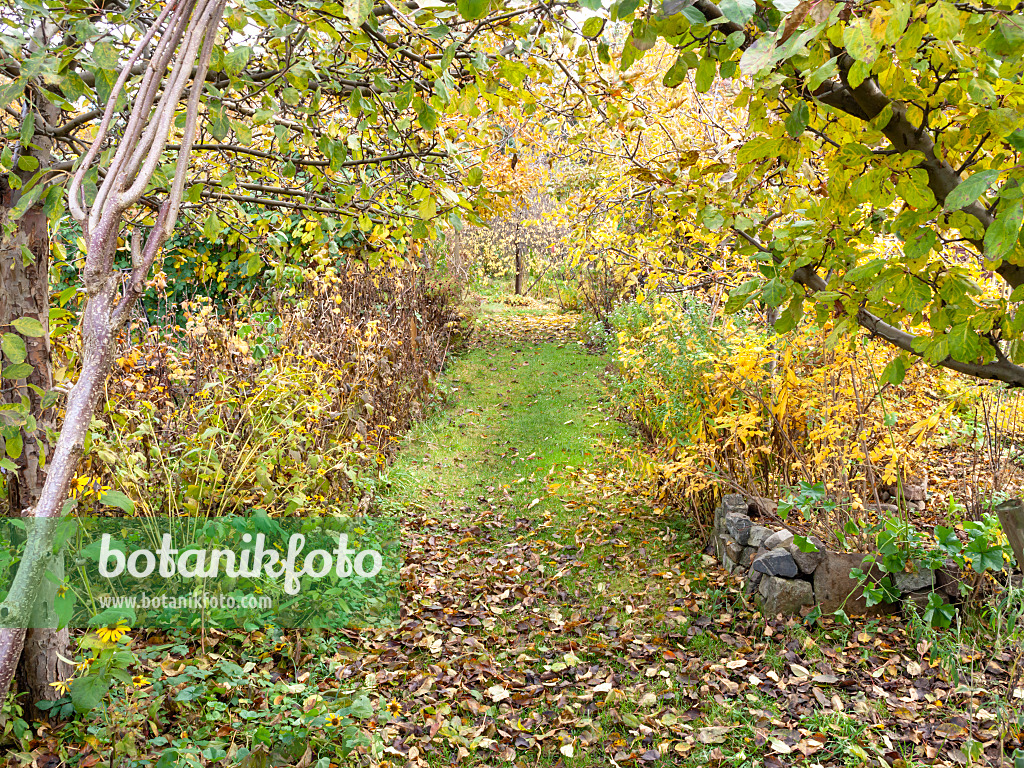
787,580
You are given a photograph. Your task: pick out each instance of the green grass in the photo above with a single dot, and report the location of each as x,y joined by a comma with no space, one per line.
519,415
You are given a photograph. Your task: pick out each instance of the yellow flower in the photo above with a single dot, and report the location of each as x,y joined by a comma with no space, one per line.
61,687
113,634
139,681
394,708
333,721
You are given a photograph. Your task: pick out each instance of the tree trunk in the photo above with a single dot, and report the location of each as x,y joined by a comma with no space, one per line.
520,271
25,292
1011,517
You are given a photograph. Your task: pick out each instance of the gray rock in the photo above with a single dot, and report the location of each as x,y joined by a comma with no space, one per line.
923,578
834,589
891,509
785,596
918,601
733,549
733,502
778,539
758,535
776,562
749,553
738,526
808,562
753,579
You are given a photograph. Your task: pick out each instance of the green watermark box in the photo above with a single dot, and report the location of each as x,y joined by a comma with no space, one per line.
176,572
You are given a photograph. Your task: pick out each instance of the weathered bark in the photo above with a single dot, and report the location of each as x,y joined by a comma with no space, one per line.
24,292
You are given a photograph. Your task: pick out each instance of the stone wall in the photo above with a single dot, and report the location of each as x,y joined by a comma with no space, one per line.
784,579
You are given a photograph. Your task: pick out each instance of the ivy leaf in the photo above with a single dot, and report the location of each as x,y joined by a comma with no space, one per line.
29,326
970,189
13,348
1001,236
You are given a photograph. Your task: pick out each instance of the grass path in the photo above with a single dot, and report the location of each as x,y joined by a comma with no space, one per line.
552,617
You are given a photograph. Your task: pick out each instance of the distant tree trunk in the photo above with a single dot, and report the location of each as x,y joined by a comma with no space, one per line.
520,272
1011,517
25,292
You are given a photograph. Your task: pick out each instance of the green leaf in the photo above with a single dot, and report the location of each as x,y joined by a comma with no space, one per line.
894,372
29,326
943,20
676,74
758,56
235,61
964,344
738,11
797,120
117,499
859,42
17,371
219,124
88,692
474,177
356,11
212,228
705,77
593,27
253,265
471,10
1001,236
13,443
774,292
970,189
13,347
10,91
427,115
919,243
104,56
